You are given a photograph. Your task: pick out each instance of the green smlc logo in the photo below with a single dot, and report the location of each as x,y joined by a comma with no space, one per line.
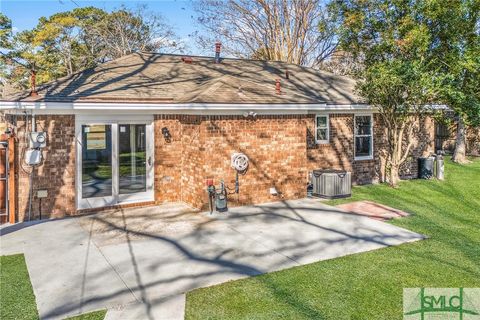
441,303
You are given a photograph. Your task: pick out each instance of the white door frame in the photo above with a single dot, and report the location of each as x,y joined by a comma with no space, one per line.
115,198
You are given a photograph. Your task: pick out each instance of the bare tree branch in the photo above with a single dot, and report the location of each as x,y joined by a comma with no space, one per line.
295,31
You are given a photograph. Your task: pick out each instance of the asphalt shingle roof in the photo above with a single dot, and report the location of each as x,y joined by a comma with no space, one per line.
163,78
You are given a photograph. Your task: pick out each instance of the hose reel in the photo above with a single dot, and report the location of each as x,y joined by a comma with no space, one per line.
239,162
217,198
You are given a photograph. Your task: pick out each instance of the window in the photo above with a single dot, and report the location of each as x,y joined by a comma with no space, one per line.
321,129
363,137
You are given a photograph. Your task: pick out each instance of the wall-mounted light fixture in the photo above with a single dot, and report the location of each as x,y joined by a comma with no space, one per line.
166,134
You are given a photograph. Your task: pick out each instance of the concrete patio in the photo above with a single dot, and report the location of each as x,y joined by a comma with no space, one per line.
139,262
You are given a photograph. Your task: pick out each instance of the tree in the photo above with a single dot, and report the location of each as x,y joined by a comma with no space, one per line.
68,42
11,64
5,31
125,31
454,28
342,63
59,35
88,19
53,48
399,90
392,44
300,32
5,43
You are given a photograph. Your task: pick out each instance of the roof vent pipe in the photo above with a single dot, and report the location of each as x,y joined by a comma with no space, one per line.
218,46
278,87
287,75
33,92
187,59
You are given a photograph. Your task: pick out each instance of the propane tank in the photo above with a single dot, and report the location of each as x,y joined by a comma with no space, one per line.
440,167
221,198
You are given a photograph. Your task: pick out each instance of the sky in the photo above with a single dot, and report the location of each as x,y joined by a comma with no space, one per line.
178,13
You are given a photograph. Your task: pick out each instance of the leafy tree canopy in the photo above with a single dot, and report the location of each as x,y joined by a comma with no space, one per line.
5,31
392,44
415,52
70,41
454,49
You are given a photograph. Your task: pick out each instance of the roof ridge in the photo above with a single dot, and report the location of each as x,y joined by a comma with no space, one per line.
271,62
152,74
210,88
211,57
212,85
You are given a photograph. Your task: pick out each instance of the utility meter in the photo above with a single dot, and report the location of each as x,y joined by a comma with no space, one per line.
33,157
38,140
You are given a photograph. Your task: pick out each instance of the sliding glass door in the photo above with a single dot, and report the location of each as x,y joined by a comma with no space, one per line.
132,159
96,160
115,162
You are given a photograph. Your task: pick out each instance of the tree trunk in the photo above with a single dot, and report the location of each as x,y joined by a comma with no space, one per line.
393,175
459,154
397,136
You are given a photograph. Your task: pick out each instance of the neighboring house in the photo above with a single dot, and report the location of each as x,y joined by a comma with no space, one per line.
445,136
151,128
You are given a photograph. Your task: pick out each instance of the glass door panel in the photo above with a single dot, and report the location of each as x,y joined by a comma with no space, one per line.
132,158
115,162
96,161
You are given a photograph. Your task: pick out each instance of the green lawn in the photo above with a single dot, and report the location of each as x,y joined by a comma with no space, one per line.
369,285
17,300
95,315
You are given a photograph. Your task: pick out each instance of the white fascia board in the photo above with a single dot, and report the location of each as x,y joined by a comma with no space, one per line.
189,108
151,106
350,107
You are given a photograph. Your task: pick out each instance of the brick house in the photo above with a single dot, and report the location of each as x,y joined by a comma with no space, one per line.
151,128
445,136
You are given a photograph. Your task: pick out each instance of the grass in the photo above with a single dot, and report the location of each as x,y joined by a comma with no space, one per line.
369,285
95,315
17,300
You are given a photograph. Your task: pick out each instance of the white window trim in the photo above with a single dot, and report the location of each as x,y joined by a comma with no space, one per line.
369,157
115,198
326,141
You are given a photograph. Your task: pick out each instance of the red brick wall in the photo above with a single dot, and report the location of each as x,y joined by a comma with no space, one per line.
339,152
193,157
201,148
473,141
56,174
281,149
168,159
179,159
275,146
424,145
